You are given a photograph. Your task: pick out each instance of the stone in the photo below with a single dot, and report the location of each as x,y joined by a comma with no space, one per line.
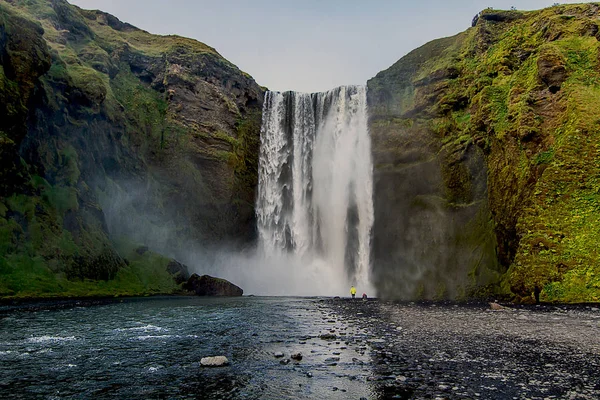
297,356
278,354
328,336
179,271
206,285
496,307
552,70
217,361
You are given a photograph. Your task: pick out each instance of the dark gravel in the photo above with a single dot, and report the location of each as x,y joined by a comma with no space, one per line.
446,351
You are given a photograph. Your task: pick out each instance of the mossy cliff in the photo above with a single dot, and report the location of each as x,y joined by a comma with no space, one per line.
111,136
487,160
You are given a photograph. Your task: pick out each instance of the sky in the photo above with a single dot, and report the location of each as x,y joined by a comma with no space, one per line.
307,45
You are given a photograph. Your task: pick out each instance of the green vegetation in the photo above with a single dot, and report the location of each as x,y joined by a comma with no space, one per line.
525,88
113,104
24,277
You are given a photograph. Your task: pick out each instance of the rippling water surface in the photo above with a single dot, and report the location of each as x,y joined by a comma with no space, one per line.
152,349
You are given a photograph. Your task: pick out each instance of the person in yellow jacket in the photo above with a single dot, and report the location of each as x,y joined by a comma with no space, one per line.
353,291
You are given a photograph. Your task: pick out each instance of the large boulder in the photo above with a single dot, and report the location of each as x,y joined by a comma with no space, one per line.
206,285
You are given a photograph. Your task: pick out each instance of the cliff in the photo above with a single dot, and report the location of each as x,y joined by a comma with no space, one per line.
112,138
486,161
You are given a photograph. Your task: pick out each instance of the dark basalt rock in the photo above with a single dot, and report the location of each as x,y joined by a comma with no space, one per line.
206,285
179,271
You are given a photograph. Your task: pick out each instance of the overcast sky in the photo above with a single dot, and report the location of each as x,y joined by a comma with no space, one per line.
307,45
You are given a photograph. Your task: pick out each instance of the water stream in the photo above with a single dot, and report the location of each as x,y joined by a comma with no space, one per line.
151,349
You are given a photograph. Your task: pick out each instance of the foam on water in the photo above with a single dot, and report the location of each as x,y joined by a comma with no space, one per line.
50,339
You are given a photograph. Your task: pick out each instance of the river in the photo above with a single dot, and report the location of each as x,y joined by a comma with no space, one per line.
151,349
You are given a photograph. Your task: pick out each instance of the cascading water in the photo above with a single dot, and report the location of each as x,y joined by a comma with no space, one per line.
315,188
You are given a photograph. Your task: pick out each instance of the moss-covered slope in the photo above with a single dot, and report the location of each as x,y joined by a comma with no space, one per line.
495,134
110,134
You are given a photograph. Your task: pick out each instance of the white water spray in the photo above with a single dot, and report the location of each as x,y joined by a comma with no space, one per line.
314,206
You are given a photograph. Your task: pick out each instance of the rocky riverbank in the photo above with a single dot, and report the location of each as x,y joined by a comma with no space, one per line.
449,351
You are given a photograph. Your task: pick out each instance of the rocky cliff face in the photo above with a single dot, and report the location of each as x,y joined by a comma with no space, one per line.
486,160
112,137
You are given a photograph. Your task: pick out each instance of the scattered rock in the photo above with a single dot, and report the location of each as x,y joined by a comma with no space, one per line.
309,374
496,306
297,356
208,286
217,361
278,354
285,361
328,336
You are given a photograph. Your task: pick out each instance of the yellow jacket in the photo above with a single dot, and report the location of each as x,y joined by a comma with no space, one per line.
352,290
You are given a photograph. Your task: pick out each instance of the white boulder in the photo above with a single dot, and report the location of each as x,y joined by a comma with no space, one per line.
217,361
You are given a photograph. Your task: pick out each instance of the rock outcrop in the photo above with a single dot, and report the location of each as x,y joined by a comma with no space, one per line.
208,286
109,134
486,161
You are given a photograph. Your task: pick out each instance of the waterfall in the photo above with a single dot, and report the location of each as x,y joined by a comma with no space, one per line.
315,187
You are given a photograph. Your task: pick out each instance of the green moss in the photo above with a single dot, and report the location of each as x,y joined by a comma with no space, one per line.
92,83
25,276
544,157
541,147
146,108
62,198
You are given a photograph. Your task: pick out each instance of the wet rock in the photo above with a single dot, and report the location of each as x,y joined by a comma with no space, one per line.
328,336
332,359
206,285
309,374
297,356
285,361
278,354
217,361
